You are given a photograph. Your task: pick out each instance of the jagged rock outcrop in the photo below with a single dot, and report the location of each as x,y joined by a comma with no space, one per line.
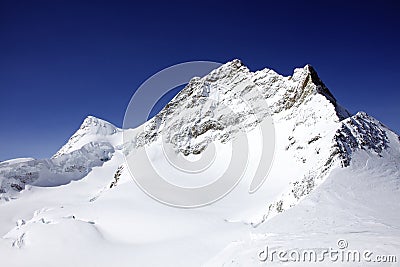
215,107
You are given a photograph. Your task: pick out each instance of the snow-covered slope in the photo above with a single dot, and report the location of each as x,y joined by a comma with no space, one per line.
358,204
334,175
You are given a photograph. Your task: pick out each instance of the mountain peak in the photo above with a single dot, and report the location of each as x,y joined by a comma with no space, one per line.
94,125
307,76
91,127
228,69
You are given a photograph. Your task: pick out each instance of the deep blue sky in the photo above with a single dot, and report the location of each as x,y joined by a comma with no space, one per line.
63,60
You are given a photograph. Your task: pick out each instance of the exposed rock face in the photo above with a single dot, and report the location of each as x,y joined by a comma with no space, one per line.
360,132
215,107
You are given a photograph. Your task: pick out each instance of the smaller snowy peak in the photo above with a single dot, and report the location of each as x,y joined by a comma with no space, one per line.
92,144
91,130
93,125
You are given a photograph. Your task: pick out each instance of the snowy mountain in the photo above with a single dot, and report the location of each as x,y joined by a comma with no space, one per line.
334,176
92,145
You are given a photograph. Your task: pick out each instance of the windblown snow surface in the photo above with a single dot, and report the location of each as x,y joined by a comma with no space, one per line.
335,176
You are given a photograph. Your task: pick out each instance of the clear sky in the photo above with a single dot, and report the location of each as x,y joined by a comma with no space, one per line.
63,60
